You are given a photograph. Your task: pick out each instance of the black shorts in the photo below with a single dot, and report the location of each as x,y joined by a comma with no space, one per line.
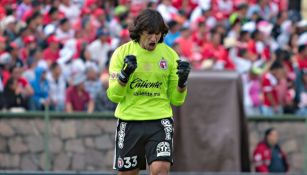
141,141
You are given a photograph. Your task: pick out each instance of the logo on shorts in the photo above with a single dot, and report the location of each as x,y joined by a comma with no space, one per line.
163,64
168,128
121,134
163,149
120,162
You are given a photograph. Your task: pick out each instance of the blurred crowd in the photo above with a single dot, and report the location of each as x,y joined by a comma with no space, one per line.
56,52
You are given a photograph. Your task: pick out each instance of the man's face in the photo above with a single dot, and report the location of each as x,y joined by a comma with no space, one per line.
65,27
32,45
27,1
149,41
91,74
284,15
57,71
273,138
185,33
54,45
17,72
80,86
14,85
14,52
38,21
104,38
244,11
67,2
216,39
280,73
167,2
54,16
263,2
2,46
44,75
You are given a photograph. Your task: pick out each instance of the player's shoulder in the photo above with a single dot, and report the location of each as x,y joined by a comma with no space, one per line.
123,49
164,48
126,46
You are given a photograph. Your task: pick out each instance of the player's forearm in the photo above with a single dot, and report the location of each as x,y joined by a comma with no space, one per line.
181,89
121,83
116,91
177,95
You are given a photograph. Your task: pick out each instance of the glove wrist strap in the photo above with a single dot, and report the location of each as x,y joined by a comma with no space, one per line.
182,84
123,77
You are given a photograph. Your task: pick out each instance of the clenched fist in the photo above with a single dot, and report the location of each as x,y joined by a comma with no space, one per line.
183,70
129,67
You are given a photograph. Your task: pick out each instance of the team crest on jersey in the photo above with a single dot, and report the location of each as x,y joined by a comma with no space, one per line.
163,64
113,76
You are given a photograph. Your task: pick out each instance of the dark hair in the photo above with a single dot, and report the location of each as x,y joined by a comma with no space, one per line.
82,51
12,68
109,55
279,15
242,6
148,20
283,55
9,11
268,132
237,21
36,3
276,65
54,66
22,30
242,34
52,10
9,48
255,34
33,17
150,4
242,52
63,21
34,51
301,48
9,83
172,24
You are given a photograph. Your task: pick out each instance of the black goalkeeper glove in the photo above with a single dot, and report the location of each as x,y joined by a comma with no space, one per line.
183,68
129,67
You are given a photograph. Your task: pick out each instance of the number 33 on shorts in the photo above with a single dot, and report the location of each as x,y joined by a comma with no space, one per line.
127,162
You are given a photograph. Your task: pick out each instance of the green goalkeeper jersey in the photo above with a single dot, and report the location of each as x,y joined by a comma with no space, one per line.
151,89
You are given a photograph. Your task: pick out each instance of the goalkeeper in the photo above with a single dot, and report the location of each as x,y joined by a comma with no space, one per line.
146,77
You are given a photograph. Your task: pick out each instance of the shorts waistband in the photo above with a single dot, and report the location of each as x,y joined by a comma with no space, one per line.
143,121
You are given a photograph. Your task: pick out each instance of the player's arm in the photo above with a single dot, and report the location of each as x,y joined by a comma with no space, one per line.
121,67
177,89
